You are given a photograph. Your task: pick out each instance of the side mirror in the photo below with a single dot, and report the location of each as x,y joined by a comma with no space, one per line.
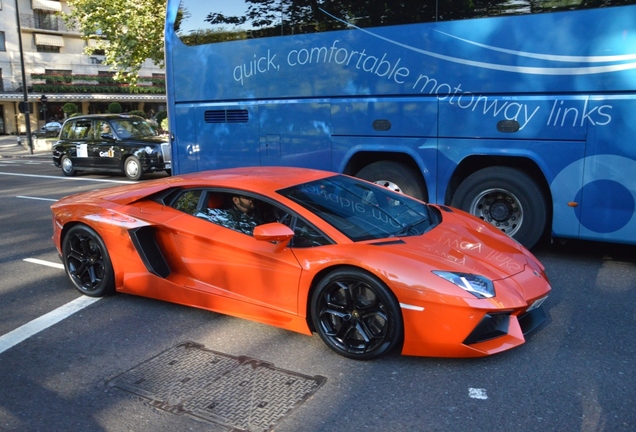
274,232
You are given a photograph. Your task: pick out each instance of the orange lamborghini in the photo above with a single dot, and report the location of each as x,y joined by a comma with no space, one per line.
366,268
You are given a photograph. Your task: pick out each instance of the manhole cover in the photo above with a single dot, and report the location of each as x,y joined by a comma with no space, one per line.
239,392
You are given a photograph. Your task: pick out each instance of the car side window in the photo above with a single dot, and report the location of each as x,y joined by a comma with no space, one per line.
188,201
66,130
307,236
80,130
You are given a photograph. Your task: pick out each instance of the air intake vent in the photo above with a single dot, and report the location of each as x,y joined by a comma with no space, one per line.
226,116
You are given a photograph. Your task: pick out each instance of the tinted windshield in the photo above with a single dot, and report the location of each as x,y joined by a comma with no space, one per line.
360,210
132,128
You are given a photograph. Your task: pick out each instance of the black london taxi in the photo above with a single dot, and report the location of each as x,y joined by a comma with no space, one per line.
111,142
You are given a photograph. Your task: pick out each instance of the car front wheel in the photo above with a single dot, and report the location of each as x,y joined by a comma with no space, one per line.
356,315
87,262
67,166
132,168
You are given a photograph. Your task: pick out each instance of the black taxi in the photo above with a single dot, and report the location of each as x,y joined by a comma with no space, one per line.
111,142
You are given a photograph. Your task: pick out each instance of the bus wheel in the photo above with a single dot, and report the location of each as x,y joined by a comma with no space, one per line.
395,176
507,199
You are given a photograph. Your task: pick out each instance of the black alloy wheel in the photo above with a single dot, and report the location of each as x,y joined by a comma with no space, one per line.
356,315
87,262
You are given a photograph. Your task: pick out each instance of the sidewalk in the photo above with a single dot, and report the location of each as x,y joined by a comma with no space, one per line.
9,147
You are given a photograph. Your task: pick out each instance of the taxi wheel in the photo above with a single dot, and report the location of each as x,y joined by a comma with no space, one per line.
67,166
356,315
132,168
87,262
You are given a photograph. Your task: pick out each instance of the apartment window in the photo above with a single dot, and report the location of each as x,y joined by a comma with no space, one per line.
48,43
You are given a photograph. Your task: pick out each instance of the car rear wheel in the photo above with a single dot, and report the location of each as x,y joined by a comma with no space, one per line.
87,262
356,315
67,166
132,168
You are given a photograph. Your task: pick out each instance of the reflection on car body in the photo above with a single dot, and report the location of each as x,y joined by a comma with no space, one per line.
367,268
111,142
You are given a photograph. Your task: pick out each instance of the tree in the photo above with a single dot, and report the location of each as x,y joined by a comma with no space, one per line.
69,108
128,31
114,108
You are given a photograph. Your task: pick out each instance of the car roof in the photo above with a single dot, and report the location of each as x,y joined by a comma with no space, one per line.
102,117
259,180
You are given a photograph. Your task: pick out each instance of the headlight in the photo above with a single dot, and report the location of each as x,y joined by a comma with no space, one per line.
149,150
478,286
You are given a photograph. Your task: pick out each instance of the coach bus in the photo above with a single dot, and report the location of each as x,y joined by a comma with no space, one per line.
522,113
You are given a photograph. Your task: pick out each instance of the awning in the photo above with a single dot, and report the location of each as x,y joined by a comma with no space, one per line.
47,5
50,40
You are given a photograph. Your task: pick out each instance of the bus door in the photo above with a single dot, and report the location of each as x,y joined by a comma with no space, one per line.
185,149
295,133
607,198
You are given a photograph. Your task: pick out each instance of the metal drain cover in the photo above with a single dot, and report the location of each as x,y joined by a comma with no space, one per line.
240,392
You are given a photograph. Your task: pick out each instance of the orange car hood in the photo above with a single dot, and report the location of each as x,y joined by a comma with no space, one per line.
453,247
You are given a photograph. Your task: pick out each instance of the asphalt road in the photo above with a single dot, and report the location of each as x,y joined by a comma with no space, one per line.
576,373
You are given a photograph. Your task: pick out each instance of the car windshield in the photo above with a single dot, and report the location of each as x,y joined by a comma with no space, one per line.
360,210
132,128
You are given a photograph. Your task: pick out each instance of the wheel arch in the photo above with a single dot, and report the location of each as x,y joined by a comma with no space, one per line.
67,227
323,273
362,159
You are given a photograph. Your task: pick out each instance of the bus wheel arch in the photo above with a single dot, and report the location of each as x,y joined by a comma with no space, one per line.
509,197
399,173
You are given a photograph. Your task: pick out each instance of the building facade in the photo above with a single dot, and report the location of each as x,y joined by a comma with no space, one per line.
59,71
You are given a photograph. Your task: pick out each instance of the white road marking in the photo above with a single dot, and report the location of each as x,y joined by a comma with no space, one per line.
36,198
67,178
477,393
45,263
45,321
31,328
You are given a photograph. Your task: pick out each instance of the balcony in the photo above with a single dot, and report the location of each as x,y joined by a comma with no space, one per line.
45,22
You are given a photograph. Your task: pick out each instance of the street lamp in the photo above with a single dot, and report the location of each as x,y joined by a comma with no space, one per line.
24,83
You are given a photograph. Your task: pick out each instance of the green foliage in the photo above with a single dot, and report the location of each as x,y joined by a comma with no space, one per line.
129,32
114,108
69,108
164,124
61,83
161,115
138,113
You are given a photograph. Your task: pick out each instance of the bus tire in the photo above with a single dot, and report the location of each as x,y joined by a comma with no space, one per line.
395,176
508,199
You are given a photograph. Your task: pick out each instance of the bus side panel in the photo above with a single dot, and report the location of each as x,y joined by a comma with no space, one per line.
295,133
520,117
227,135
551,157
385,117
607,198
184,148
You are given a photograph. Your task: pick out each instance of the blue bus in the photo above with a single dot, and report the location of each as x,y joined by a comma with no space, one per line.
522,113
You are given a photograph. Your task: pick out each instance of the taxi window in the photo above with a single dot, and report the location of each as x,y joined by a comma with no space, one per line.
78,130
